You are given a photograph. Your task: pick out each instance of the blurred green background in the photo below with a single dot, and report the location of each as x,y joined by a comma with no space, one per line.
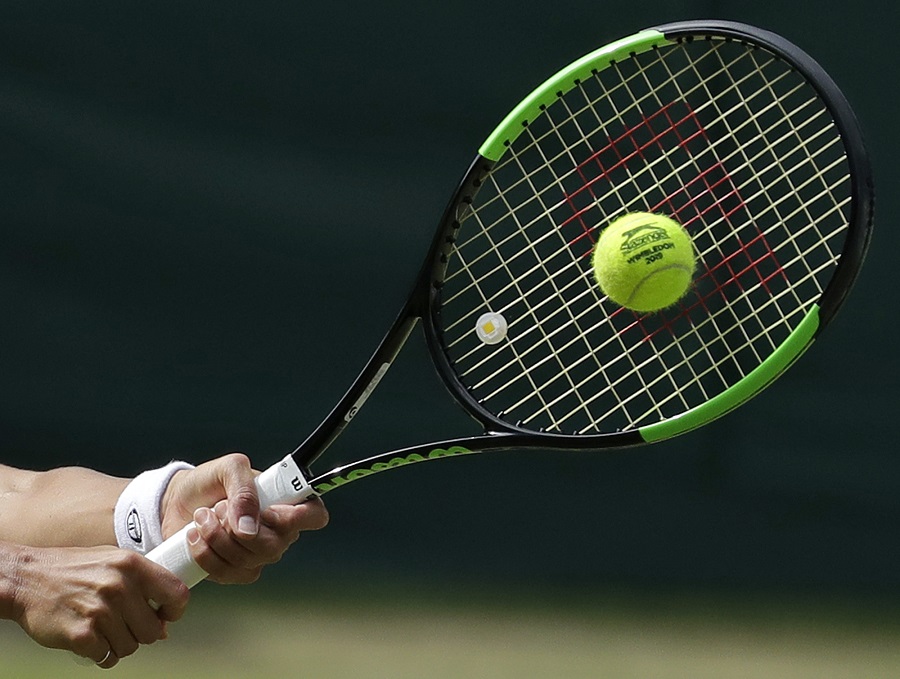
210,214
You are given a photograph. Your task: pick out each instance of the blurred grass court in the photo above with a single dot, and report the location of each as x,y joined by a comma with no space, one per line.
385,632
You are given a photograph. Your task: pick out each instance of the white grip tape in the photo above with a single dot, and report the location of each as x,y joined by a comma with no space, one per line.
282,483
174,554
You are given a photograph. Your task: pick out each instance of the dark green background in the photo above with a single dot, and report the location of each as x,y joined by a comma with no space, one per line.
211,211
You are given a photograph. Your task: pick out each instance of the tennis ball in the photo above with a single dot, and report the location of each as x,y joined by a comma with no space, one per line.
644,262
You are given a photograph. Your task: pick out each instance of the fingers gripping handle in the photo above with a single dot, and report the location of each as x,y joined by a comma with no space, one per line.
175,555
282,483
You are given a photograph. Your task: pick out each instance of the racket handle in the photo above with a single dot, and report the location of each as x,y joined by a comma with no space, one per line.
282,483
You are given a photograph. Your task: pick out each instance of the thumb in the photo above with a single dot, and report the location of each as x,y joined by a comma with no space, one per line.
237,478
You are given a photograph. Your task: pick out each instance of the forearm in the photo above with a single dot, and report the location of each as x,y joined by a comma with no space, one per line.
64,507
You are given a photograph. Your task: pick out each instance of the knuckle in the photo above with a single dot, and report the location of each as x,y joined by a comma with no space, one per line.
110,588
248,576
83,637
150,635
126,561
323,517
246,496
182,594
127,648
203,555
95,612
177,597
317,516
237,576
244,560
271,555
237,460
175,609
248,561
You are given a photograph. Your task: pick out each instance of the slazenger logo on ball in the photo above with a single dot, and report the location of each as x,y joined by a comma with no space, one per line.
642,237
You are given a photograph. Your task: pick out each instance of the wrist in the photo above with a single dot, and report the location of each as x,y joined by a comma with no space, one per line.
137,517
11,605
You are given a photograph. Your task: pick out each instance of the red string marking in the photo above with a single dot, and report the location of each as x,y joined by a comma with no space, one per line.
732,264
611,158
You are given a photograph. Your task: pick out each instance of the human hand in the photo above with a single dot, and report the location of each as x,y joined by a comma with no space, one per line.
233,541
94,601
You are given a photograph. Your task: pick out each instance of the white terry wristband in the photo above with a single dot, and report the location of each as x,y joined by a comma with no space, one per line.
137,521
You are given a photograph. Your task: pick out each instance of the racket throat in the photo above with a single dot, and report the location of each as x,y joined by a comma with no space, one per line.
358,393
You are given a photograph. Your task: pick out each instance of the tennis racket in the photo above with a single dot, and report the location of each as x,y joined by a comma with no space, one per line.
730,130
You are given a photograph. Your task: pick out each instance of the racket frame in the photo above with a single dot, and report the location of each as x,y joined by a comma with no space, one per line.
806,331
422,303
291,481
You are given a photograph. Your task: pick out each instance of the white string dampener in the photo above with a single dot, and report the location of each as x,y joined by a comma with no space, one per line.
281,484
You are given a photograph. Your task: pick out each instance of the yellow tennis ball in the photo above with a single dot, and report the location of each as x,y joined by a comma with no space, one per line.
644,262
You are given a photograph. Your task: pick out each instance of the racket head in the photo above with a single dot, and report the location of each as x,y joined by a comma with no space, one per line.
733,131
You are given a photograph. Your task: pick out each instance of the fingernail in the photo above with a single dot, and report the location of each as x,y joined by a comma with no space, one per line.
203,516
247,525
193,536
221,510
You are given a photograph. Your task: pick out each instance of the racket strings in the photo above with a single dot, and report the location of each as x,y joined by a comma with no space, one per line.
730,142
793,135
512,236
750,120
632,106
592,290
536,321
